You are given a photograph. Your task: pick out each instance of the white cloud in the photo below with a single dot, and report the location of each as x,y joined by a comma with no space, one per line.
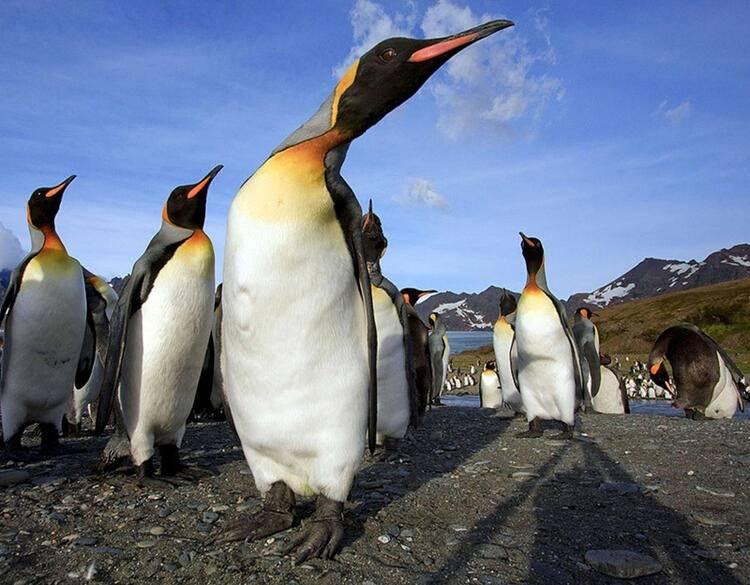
676,114
492,84
10,248
421,192
370,25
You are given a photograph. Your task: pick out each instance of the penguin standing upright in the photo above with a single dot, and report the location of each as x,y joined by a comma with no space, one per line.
612,397
506,352
440,351
419,338
707,381
295,277
159,334
397,399
489,387
48,346
587,341
101,299
549,371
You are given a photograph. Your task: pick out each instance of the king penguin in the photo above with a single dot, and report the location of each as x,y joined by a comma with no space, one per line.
587,342
159,333
101,299
419,336
48,346
707,381
295,277
490,395
549,370
506,352
440,351
397,398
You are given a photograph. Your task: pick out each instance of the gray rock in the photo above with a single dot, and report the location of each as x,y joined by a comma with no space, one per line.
12,477
624,564
715,492
210,517
85,541
156,531
520,475
708,520
492,551
392,530
145,543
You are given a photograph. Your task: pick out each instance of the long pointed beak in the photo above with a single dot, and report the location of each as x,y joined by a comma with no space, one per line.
60,189
203,184
526,240
368,216
454,43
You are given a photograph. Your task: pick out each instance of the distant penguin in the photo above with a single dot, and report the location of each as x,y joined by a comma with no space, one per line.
440,351
295,277
159,334
549,370
587,340
489,387
101,300
612,397
707,381
419,336
48,345
472,370
506,352
397,399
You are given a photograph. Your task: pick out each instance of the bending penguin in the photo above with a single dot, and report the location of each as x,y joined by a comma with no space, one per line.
440,351
587,341
101,299
506,353
49,344
419,339
397,398
159,333
295,277
549,371
707,381
489,387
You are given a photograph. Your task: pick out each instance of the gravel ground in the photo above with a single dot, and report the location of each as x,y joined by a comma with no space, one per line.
462,502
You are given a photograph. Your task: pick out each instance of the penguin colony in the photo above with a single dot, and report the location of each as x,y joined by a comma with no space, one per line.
301,271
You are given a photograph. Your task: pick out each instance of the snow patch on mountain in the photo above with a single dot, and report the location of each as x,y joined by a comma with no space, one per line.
474,319
738,260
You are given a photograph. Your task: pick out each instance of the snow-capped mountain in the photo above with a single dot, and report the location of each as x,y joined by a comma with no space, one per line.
653,277
464,311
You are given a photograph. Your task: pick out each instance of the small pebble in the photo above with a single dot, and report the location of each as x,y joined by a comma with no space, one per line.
384,539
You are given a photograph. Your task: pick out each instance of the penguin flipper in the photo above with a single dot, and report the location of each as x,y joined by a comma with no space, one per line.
88,353
592,357
349,214
161,248
513,362
577,371
206,380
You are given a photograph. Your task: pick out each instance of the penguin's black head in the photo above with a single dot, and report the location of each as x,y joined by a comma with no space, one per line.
658,373
44,204
373,238
507,304
533,253
490,365
412,295
605,359
186,206
392,71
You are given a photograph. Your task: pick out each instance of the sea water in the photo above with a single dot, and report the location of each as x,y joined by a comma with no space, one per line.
464,340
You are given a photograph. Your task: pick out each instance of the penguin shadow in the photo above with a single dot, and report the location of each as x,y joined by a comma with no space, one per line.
438,447
582,509
490,530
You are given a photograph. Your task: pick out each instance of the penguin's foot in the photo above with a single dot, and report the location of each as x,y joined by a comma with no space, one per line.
276,516
70,429
535,430
50,439
116,453
144,474
565,435
321,537
172,467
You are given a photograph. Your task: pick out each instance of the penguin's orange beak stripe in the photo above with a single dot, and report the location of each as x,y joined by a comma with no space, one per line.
655,368
199,187
441,48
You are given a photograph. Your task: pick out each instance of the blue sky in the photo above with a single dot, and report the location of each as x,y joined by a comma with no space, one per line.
612,131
